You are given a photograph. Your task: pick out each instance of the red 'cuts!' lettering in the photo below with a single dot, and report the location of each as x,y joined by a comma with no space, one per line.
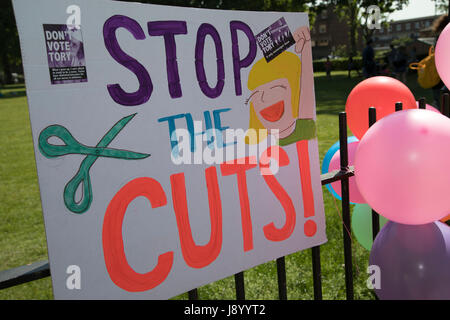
194,255
270,231
116,262
239,167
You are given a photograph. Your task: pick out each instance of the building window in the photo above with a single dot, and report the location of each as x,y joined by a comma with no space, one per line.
323,28
381,30
323,42
398,27
390,28
324,14
408,26
313,43
417,25
427,23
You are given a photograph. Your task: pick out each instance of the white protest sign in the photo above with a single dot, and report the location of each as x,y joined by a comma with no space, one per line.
174,146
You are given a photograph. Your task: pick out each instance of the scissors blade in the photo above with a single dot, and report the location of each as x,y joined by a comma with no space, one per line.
114,131
115,153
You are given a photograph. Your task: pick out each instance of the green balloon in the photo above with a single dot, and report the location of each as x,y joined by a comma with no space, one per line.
362,224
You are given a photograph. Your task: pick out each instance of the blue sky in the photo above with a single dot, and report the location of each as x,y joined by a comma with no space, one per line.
415,9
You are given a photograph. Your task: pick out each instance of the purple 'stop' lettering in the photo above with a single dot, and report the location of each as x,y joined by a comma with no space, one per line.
204,30
168,29
145,83
247,61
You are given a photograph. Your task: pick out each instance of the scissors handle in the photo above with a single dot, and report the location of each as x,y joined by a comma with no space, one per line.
53,150
72,146
84,179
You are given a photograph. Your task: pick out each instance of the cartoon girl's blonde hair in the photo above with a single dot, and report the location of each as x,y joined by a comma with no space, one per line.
286,65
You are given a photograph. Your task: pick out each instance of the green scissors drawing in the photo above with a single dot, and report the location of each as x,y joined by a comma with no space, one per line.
72,146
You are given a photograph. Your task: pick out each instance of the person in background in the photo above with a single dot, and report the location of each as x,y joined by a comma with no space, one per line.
385,70
401,64
368,60
437,27
412,55
351,66
328,67
391,56
383,67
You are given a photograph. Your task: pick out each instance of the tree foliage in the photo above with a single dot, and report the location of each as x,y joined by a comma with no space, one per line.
354,12
9,39
10,50
442,5
310,6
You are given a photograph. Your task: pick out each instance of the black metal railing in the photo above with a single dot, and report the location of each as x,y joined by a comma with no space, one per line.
39,270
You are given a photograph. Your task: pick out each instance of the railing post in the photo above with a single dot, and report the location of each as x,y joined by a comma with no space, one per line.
193,294
317,273
422,103
346,206
239,283
281,272
375,216
445,104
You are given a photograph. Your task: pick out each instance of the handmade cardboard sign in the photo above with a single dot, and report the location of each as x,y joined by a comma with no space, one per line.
174,147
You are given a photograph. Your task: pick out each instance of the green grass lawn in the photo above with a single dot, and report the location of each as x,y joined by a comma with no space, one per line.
22,231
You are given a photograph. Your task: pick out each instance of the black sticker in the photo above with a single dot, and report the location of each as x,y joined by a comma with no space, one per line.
275,39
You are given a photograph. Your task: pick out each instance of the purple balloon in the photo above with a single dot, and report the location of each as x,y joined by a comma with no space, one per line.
414,261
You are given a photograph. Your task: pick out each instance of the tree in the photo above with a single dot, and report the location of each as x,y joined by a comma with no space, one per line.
354,12
310,6
403,41
9,39
441,5
10,58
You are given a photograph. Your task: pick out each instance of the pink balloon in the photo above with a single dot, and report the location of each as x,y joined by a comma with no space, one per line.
431,108
401,166
335,164
441,55
428,107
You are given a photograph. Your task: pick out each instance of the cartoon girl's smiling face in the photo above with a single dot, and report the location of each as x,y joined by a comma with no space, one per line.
272,104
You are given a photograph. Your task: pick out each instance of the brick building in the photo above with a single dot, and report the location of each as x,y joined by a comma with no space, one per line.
418,30
329,33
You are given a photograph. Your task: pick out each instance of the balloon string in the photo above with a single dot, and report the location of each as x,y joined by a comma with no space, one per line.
349,234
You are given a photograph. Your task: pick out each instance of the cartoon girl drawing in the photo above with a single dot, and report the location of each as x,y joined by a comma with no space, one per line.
282,101
282,97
